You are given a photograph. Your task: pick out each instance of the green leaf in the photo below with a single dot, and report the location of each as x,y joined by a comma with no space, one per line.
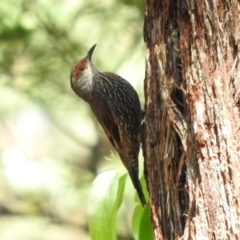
141,224
104,201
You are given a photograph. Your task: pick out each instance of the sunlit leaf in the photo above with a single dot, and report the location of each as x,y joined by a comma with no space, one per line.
104,201
141,223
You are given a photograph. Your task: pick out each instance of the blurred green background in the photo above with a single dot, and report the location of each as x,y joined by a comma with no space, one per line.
51,147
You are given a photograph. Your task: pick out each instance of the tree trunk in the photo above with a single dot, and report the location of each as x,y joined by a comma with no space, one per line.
191,139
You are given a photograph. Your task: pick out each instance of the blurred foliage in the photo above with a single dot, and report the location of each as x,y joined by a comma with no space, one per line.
141,223
105,199
51,147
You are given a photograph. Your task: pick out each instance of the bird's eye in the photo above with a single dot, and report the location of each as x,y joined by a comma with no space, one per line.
81,68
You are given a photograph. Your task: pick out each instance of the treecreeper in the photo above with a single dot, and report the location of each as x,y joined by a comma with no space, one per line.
116,105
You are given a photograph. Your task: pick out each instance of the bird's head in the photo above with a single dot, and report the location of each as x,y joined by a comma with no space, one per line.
83,72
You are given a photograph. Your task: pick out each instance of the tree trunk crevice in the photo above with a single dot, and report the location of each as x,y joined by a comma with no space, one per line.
191,139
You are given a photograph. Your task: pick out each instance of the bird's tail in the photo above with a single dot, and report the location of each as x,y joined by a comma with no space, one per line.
132,166
137,185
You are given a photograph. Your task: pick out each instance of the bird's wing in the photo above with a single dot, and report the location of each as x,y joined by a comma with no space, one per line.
102,112
111,130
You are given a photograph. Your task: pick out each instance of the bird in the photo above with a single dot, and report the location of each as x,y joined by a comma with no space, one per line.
116,106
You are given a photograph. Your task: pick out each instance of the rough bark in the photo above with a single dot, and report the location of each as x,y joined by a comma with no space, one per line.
192,125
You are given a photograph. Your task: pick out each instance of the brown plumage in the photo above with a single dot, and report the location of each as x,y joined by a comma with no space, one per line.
116,106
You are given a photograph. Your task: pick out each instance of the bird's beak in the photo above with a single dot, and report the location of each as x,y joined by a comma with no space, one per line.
90,52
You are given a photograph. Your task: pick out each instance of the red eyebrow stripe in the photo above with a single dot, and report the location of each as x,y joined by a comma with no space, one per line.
83,63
